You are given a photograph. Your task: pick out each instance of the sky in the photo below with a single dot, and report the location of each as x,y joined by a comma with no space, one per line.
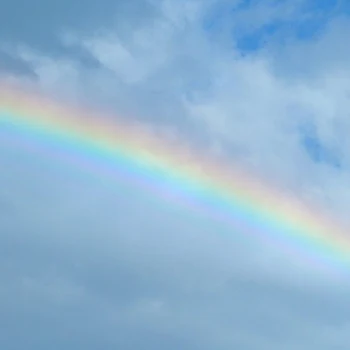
91,263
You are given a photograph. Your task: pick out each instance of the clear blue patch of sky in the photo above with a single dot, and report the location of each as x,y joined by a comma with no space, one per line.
317,12
255,40
315,149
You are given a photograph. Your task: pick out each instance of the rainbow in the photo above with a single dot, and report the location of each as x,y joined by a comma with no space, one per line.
176,172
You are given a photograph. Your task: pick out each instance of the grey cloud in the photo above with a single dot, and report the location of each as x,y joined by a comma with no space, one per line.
16,66
39,23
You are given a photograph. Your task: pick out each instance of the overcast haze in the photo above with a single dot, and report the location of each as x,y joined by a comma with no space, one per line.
91,263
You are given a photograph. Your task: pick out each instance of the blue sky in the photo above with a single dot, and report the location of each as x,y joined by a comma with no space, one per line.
263,84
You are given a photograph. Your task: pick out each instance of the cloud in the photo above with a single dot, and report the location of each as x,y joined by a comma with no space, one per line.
91,264
17,23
